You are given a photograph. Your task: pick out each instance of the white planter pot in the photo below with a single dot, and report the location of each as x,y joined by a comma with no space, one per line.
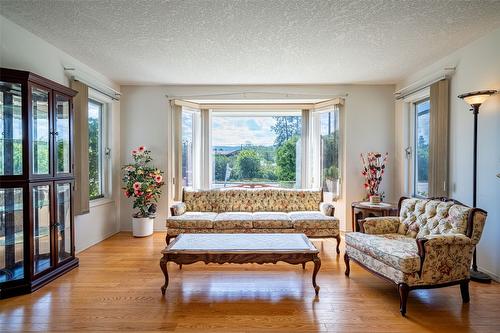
142,226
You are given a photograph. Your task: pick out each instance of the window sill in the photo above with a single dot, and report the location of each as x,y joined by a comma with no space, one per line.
100,202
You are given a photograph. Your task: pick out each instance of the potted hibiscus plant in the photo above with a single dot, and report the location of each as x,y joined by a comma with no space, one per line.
142,182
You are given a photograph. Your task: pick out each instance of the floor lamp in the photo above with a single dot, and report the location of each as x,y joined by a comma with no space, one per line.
475,99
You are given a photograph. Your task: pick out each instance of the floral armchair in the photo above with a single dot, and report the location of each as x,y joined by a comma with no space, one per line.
430,244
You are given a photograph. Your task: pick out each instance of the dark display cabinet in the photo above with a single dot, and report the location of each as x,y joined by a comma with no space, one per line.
36,182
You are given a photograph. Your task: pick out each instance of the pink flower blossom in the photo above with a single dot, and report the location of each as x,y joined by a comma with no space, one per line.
158,179
137,186
134,152
141,149
127,194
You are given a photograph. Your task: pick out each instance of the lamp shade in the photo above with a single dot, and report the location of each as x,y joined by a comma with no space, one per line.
477,97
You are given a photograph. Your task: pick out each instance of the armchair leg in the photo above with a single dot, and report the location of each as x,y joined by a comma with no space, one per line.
464,289
167,239
403,290
347,266
338,243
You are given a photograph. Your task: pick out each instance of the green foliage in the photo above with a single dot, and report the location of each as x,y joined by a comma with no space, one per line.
221,163
248,164
285,159
331,172
422,159
285,128
95,190
142,182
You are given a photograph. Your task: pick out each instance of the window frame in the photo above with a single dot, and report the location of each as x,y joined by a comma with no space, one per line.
316,150
105,139
256,114
410,103
415,146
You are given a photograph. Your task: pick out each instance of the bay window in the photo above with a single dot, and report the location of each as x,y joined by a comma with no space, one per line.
260,149
218,146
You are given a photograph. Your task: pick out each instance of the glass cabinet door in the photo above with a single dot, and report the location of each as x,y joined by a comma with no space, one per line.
40,131
63,221
62,134
11,234
41,228
11,129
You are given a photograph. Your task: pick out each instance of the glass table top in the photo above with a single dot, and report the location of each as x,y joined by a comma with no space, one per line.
238,243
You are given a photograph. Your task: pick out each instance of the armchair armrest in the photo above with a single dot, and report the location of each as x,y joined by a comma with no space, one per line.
327,208
380,225
444,258
178,209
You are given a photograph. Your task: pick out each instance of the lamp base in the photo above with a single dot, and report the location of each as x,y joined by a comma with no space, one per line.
480,277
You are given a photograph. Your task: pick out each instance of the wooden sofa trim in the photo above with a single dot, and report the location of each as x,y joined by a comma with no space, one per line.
404,289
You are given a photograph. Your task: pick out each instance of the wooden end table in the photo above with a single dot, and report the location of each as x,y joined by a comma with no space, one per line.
241,249
364,209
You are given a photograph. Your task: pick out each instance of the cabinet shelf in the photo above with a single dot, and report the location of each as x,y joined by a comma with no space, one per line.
36,188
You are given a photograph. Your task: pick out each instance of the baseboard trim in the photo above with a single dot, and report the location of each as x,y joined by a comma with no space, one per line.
492,275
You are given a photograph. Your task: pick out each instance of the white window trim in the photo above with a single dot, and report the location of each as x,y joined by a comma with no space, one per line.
310,177
315,140
409,137
106,167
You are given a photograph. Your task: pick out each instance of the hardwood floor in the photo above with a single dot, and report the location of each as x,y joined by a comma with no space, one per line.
117,288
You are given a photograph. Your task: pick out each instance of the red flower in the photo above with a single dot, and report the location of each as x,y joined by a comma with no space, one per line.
141,149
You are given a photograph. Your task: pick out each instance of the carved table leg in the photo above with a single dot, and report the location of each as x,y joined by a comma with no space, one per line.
317,265
303,265
163,265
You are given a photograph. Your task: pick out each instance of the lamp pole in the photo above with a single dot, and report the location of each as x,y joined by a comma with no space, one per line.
476,275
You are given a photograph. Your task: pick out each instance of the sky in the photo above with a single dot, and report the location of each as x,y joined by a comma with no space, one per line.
236,131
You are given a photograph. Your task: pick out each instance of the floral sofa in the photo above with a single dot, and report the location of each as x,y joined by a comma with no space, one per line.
266,210
430,244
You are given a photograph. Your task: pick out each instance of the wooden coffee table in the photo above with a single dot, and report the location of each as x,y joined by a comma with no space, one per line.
240,249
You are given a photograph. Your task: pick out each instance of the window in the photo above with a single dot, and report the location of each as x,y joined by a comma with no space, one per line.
261,150
329,155
97,142
273,145
190,147
325,151
421,144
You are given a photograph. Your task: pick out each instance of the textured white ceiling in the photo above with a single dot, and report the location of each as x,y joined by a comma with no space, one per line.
256,42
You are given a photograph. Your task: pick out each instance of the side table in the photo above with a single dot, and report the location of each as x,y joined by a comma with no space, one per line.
364,209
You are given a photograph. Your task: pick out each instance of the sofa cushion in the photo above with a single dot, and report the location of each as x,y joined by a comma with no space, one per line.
422,217
235,200
395,250
271,220
313,220
302,200
197,220
201,200
233,220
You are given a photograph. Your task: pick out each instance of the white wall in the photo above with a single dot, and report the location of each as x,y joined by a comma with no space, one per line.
477,68
368,125
23,50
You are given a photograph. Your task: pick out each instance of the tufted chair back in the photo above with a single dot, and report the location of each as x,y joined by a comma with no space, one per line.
422,217
252,200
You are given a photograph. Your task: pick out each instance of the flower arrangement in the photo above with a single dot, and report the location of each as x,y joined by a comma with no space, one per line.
142,182
373,170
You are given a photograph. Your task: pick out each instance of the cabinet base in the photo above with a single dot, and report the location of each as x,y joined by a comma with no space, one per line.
29,287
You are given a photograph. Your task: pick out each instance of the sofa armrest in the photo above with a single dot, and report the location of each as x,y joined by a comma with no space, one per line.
178,209
380,225
444,258
327,208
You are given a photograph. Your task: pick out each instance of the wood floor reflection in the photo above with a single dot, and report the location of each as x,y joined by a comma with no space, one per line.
117,288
